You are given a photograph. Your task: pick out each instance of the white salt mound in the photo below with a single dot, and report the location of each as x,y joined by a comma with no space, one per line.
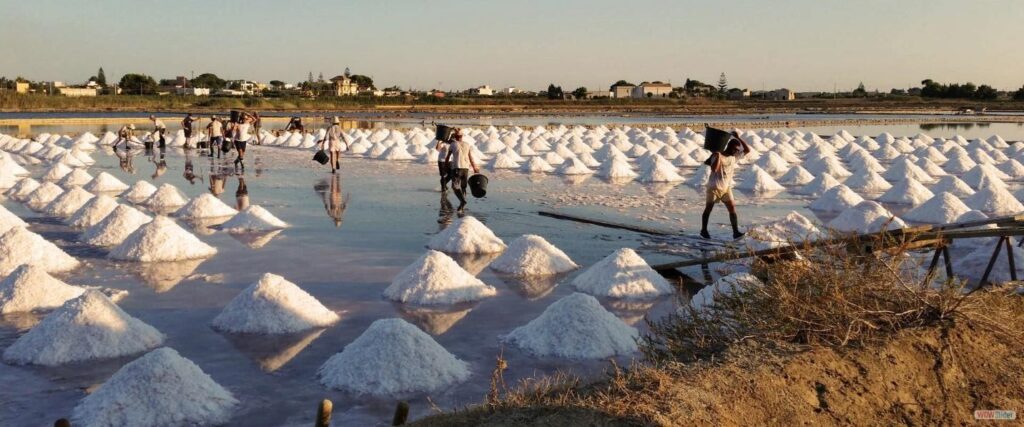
866,217
68,203
158,389
435,278
836,199
467,235
393,357
944,208
273,305
703,301
56,172
161,240
907,191
205,205
623,274
31,288
117,226
139,192
22,189
105,183
93,212
575,327
758,181
43,195
77,177
19,246
9,220
994,200
166,196
85,328
791,228
531,255
253,218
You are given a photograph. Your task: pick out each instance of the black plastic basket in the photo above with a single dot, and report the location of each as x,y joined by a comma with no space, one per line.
444,133
716,140
478,185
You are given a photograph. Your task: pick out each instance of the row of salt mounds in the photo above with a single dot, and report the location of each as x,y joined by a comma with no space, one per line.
867,217
575,327
85,328
203,206
393,357
20,246
273,305
93,212
161,388
106,183
139,192
943,208
115,227
623,274
68,203
42,196
253,218
24,188
30,288
467,236
9,220
161,240
166,196
531,255
435,278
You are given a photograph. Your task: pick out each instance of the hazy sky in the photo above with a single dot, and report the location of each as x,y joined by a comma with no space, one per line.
455,44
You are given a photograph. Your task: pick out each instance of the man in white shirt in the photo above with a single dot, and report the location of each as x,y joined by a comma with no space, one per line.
460,157
159,129
216,131
723,167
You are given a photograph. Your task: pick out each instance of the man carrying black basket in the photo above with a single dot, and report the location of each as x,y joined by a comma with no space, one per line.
719,189
460,157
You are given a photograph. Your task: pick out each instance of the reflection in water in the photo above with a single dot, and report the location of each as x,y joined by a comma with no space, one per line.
532,287
335,203
630,312
205,226
434,321
927,127
660,189
216,180
445,212
161,165
164,276
125,160
255,240
189,174
474,263
21,322
241,194
575,179
273,351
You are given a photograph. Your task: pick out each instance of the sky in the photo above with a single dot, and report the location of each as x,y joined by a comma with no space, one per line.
805,45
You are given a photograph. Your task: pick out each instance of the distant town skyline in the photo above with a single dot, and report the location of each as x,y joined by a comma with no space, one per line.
803,45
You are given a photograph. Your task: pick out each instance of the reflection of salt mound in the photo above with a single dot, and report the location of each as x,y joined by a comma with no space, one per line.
253,218
575,327
531,255
703,301
944,208
866,217
31,288
757,180
166,196
19,246
164,276
393,357
273,305
205,205
435,278
158,389
85,328
433,320
623,274
907,191
105,182
161,240
9,220
994,200
255,240
43,195
139,192
836,199
112,230
93,211
68,202
467,236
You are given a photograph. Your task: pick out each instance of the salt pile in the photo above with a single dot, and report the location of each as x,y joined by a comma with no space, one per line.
8,180
797,175
866,217
43,195
273,305
253,218
116,227
502,161
139,192
22,189
616,168
703,302
573,166
393,357
818,186
19,246
77,177
623,274
531,255
68,203
575,327
981,174
161,240
30,288
952,184
166,196
467,235
536,165
85,328
869,181
944,208
758,181
994,200
9,220
435,278
662,171
92,212
907,191
104,183
56,172
836,199
205,205
973,265
158,389
791,228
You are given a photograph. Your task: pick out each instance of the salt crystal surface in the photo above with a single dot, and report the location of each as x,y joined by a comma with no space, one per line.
165,196
68,203
467,235
818,186
30,288
908,191
106,183
273,305
703,302
85,328
77,177
19,246
944,208
532,255
158,389
253,218
115,227
435,278
393,357
575,327
22,189
623,274
43,195
92,212
139,192
205,205
836,199
161,240
866,217
994,200
9,220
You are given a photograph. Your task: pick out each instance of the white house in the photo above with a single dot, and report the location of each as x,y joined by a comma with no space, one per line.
511,90
78,91
193,91
484,90
654,89
622,91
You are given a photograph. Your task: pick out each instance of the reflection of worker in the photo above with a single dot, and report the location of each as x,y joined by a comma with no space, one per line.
241,195
189,173
723,166
161,165
126,133
125,160
216,184
334,202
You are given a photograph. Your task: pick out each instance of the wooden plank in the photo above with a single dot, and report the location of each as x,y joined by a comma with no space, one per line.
608,224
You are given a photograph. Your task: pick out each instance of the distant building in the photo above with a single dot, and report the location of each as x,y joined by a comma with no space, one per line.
622,91
21,87
57,84
591,94
436,93
654,89
781,95
738,94
76,92
344,86
231,92
511,90
193,91
484,90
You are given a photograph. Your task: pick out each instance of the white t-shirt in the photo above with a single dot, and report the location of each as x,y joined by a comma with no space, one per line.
159,124
442,151
723,179
334,142
242,132
460,154
216,128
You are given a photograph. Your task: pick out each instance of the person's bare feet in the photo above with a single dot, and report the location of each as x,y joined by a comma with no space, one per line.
705,234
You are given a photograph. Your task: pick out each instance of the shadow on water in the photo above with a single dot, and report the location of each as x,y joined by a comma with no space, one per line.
434,320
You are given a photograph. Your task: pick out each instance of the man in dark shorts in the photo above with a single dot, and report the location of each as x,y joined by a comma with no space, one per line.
159,129
186,125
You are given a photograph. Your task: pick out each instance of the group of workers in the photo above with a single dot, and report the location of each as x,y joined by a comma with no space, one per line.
223,135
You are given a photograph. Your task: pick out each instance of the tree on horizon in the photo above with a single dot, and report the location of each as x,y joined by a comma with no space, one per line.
723,83
101,77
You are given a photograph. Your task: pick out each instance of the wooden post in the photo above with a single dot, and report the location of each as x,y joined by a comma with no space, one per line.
323,413
1010,261
991,262
401,414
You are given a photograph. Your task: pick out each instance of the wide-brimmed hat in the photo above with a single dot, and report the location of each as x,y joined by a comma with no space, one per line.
336,120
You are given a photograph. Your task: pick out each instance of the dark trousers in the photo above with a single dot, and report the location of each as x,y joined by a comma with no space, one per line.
460,179
215,143
163,142
444,170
